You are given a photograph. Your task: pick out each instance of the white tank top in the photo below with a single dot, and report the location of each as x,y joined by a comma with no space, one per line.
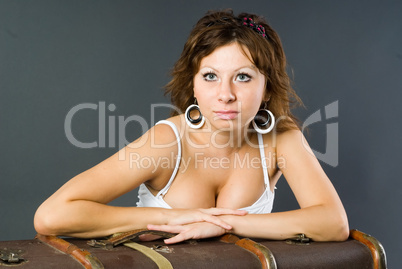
262,205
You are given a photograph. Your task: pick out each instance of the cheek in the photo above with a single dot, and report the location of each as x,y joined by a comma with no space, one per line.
253,96
203,91
200,96
197,88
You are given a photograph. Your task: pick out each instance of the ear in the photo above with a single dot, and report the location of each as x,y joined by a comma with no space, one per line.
267,97
267,94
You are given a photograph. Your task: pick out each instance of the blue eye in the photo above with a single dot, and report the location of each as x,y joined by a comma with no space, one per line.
209,77
243,77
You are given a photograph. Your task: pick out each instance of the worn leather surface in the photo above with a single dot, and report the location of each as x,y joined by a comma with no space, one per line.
209,254
350,254
38,255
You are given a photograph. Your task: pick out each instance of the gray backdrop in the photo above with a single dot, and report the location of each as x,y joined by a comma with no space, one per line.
55,55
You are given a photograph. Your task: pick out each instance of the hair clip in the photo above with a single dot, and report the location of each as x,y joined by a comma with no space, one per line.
256,27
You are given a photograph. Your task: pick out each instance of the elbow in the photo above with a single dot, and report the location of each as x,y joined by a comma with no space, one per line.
337,230
340,232
341,227
45,223
40,225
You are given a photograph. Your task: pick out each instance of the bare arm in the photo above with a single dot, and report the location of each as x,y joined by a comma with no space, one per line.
79,208
321,215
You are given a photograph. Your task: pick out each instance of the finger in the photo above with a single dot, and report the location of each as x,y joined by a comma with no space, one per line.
217,221
176,239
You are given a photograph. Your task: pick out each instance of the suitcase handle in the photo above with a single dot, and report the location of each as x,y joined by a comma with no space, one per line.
120,238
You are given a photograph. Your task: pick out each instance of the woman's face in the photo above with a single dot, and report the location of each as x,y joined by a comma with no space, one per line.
229,88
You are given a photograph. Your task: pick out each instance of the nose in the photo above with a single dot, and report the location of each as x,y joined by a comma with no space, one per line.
226,93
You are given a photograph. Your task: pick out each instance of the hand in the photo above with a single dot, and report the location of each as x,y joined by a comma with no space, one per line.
189,231
179,217
187,216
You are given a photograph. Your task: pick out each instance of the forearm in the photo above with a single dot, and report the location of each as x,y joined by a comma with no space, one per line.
317,222
85,219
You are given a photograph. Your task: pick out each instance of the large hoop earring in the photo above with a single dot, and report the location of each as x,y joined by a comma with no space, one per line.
194,123
261,121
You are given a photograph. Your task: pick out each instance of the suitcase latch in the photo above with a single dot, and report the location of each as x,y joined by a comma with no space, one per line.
160,248
300,239
10,257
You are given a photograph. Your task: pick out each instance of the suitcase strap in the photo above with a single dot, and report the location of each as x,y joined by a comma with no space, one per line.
84,257
125,239
375,247
157,258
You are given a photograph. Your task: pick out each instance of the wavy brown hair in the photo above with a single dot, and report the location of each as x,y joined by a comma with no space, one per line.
220,28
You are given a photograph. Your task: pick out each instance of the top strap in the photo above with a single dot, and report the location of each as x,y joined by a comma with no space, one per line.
263,160
176,132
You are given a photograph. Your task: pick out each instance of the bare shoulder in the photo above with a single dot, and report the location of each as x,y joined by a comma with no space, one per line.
289,135
293,149
163,139
292,139
163,134
162,147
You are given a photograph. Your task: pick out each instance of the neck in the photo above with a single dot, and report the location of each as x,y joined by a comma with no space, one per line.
226,141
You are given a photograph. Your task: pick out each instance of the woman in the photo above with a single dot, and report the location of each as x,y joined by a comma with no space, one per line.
227,149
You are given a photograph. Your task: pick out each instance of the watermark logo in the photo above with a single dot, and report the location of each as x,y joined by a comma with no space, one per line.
102,123
330,156
112,127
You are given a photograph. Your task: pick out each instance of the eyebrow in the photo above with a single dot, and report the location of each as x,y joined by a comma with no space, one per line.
248,66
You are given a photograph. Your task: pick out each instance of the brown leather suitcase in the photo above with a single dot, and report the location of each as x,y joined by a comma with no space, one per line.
229,251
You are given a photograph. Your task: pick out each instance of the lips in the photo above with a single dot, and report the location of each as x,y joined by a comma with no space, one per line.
226,114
